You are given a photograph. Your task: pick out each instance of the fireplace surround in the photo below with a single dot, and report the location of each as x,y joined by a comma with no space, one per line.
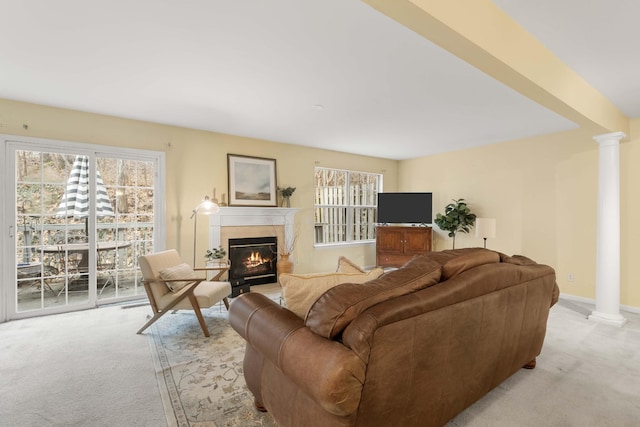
251,222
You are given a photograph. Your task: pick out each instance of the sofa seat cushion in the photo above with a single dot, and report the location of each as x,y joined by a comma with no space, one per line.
337,307
299,291
207,294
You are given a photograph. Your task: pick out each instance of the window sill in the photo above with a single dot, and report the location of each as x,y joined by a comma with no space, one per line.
340,244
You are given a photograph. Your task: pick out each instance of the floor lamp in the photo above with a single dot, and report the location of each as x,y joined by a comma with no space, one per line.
486,228
205,207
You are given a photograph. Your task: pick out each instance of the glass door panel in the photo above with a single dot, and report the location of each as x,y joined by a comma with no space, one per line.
77,242
128,233
50,272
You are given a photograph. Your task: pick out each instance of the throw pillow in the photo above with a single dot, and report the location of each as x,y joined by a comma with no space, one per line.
299,291
345,265
180,271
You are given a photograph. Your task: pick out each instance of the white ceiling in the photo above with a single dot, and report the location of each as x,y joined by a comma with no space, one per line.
263,68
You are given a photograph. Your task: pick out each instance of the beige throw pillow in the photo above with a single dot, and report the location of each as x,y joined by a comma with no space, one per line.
180,271
301,290
345,265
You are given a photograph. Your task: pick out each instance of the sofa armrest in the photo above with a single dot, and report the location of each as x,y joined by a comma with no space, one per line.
327,371
263,323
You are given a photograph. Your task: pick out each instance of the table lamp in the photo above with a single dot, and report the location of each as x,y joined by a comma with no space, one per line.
205,207
486,228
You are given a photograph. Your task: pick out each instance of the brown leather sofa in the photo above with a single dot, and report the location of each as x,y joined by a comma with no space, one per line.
414,347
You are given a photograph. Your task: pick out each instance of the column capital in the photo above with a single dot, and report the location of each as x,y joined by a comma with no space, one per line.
610,137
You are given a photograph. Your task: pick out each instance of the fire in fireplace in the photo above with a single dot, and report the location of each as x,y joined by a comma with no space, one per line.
254,259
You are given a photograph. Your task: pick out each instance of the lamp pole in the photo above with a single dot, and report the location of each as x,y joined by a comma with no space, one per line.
486,228
205,207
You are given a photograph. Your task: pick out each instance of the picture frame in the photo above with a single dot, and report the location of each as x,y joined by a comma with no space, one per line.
252,181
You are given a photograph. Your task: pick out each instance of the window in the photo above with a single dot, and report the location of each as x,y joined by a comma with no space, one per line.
345,206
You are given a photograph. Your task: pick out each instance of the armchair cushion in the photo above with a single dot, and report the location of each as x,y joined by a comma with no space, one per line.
207,294
180,271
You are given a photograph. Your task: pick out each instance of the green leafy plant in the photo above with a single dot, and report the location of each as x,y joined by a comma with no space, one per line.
286,191
457,218
215,253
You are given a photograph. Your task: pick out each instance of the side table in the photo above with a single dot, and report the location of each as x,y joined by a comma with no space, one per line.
216,277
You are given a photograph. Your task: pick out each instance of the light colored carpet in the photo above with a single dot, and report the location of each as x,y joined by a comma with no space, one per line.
87,368
91,369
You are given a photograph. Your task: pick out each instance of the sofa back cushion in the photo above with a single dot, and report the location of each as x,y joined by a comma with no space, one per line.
472,258
336,308
299,291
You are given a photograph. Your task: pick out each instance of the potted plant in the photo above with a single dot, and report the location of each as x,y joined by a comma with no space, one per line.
214,256
457,218
286,193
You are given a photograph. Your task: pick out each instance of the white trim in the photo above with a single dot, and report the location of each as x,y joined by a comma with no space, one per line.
251,216
629,308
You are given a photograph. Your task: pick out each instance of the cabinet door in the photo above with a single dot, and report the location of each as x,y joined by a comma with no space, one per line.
390,239
417,240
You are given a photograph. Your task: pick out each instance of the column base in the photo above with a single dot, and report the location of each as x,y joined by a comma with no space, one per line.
610,319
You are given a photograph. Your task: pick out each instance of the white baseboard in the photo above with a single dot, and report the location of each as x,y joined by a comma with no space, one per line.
591,301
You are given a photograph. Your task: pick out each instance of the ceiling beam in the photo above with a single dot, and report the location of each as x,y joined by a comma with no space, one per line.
481,34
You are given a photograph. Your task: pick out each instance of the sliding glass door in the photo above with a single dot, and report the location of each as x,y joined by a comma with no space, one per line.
79,220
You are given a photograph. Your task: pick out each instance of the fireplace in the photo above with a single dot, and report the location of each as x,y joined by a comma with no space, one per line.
254,260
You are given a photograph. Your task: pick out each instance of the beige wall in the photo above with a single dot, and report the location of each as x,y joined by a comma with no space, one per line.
197,162
543,193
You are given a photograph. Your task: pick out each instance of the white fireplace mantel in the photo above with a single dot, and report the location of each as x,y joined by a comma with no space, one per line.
251,216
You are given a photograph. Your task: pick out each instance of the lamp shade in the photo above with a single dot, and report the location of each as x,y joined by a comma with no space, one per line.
206,207
486,228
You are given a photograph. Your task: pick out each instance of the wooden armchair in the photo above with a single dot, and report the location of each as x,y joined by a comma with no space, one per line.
171,284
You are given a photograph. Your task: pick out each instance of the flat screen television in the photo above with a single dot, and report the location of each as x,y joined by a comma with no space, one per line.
405,208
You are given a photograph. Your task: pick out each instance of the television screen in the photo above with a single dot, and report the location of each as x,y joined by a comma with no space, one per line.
404,208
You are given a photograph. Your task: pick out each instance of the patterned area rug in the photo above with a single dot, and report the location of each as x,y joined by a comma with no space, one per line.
201,379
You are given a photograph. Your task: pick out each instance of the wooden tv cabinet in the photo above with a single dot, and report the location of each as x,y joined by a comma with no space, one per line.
395,245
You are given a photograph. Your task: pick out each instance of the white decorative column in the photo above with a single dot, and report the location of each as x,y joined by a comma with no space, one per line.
608,232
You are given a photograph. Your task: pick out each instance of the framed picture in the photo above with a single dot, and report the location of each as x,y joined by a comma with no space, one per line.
252,181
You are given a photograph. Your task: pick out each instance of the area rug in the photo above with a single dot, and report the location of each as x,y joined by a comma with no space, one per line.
201,379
